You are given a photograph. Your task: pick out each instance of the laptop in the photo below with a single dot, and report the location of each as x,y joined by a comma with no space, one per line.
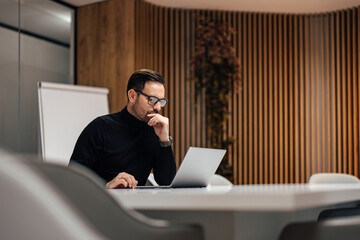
196,170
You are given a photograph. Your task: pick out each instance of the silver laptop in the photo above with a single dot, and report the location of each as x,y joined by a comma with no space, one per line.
197,168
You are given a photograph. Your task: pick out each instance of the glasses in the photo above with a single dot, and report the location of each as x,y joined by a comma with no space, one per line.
152,101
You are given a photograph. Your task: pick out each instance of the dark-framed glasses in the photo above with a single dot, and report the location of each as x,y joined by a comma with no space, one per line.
152,100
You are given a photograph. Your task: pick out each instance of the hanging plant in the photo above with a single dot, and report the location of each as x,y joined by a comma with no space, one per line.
216,72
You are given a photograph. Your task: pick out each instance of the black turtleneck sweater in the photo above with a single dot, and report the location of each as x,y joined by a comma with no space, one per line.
119,142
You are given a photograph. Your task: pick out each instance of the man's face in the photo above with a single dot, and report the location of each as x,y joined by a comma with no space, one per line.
140,107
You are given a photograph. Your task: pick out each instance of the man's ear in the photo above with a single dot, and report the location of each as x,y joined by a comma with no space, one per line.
131,95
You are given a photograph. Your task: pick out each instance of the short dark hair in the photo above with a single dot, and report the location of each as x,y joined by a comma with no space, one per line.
139,78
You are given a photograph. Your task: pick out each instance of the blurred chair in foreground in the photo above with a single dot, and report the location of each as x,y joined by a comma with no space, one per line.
45,201
341,228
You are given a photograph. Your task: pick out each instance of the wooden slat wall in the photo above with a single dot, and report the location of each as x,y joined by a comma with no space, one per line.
298,110
105,47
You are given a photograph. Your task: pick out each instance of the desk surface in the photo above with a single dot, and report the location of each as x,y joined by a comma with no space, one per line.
277,197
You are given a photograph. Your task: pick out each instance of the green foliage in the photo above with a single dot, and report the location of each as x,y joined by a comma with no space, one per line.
216,71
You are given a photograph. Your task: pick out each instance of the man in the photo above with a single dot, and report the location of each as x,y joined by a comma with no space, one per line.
123,147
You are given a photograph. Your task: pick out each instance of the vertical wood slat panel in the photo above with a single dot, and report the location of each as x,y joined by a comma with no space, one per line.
338,93
266,102
245,100
250,100
150,36
281,99
240,169
349,78
302,99
325,122
276,98
311,110
356,88
194,107
279,115
297,141
271,104
358,91
285,100
182,101
176,90
188,104
307,96
147,37
255,96
160,27
165,62
139,53
343,93
317,94
199,110
232,112
155,41
333,90
235,114
137,33
261,100
291,161
329,87
353,89
171,80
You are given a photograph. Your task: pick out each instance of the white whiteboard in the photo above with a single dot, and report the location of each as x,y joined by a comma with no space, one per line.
65,110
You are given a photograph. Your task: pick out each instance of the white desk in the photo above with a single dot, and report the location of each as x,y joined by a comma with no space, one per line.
240,212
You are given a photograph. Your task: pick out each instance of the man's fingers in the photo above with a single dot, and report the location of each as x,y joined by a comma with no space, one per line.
122,180
117,183
153,121
157,119
130,180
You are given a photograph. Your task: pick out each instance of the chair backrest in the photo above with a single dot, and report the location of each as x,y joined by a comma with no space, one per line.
65,110
32,209
151,180
218,180
106,214
35,199
340,228
332,178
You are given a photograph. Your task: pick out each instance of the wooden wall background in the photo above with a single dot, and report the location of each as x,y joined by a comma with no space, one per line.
298,110
105,48
299,107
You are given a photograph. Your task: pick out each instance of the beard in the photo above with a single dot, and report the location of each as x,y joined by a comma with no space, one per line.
139,114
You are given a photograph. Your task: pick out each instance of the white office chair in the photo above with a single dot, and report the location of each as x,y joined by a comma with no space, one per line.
151,180
218,180
332,178
48,201
336,178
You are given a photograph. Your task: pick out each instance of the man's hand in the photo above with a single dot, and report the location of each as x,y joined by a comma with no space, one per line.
160,125
122,180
